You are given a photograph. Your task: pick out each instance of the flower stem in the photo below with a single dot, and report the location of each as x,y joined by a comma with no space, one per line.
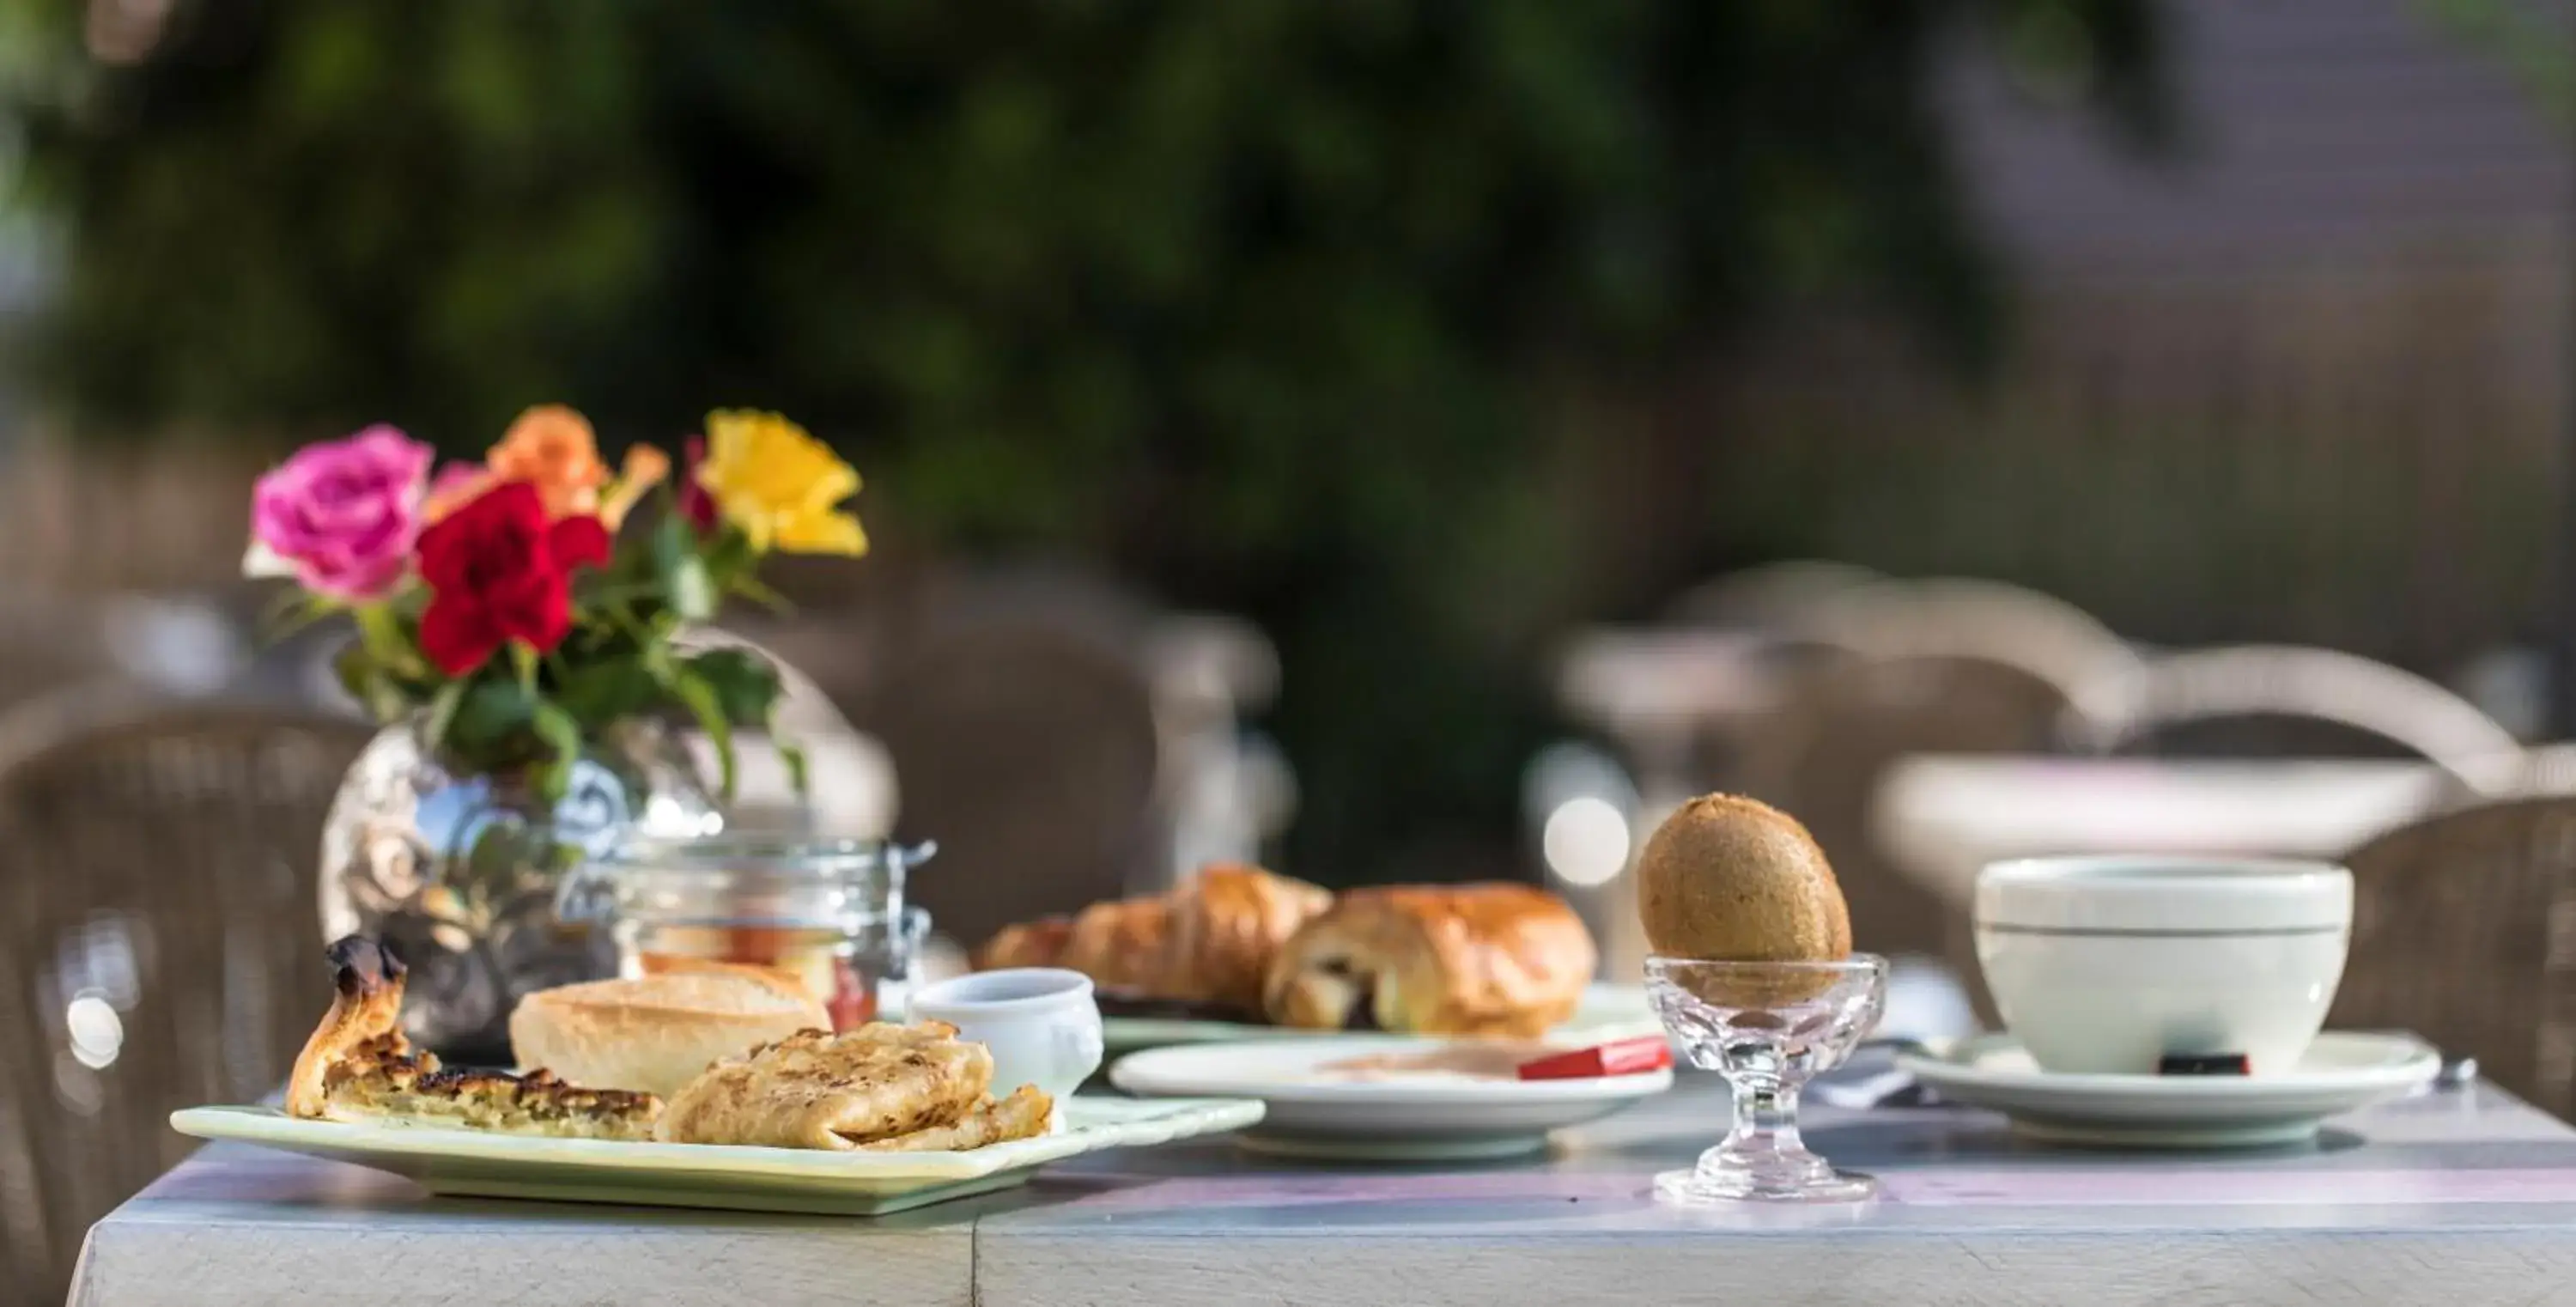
382,634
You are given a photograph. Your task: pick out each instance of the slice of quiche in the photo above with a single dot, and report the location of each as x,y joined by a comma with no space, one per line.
359,1067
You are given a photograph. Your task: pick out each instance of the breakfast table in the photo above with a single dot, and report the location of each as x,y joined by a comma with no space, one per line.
2460,1195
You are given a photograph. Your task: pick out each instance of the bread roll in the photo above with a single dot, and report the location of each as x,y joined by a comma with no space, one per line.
656,1033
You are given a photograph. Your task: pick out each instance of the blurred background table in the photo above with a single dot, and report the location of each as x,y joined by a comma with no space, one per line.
2462,1197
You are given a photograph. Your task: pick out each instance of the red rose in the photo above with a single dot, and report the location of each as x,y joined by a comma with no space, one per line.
498,571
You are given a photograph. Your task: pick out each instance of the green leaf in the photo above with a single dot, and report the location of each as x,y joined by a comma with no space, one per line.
367,682
442,715
746,686
730,557
750,587
606,688
557,728
700,698
380,630
792,756
292,612
356,674
686,582
491,723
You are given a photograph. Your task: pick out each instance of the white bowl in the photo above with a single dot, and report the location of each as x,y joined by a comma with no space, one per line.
2108,965
1041,1023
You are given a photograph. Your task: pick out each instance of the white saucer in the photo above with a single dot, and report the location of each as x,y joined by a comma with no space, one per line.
2342,1071
1413,1117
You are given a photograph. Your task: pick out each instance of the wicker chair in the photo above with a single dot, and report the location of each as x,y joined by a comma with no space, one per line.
1978,620
1028,749
1825,752
157,936
2285,699
2464,931
1772,596
1943,665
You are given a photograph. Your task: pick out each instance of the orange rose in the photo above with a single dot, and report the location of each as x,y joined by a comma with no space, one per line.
551,447
645,468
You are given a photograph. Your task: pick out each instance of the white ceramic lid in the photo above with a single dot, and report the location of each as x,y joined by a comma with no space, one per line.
2161,894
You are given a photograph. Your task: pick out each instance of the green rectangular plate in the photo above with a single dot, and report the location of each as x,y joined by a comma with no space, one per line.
463,1162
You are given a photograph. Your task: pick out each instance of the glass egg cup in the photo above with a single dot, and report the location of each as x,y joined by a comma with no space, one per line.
1767,1027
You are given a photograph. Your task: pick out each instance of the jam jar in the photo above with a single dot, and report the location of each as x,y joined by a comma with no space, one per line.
829,913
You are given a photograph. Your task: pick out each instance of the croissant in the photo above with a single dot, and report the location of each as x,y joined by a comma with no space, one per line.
1227,923
1122,945
1497,959
1208,944
1039,943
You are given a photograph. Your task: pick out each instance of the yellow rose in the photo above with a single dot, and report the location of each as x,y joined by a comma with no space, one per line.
782,487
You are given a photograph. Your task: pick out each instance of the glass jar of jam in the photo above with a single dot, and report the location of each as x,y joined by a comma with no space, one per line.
828,913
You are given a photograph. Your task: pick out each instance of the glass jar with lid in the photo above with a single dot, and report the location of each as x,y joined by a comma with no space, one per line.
830,913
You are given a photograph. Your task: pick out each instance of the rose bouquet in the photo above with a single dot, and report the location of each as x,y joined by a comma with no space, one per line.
516,608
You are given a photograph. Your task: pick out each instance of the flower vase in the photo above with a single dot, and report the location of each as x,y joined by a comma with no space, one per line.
457,870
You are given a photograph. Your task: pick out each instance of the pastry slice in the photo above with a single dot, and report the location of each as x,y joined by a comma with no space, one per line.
1023,1115
816,1090
358,1067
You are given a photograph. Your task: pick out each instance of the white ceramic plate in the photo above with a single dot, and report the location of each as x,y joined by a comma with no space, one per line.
2342,1071
1396,1119
1606,1012
446,1161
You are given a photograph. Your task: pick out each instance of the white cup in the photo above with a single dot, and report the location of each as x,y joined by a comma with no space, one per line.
2108,965
1040,1022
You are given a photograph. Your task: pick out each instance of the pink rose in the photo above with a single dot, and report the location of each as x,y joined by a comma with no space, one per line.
344,514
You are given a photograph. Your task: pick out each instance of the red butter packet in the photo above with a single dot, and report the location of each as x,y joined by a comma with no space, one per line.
1624,1057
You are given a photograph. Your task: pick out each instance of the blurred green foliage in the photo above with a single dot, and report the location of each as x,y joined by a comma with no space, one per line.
1258,301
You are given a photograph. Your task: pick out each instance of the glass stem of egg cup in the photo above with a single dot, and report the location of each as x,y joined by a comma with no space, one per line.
1766,1125
1766,1027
